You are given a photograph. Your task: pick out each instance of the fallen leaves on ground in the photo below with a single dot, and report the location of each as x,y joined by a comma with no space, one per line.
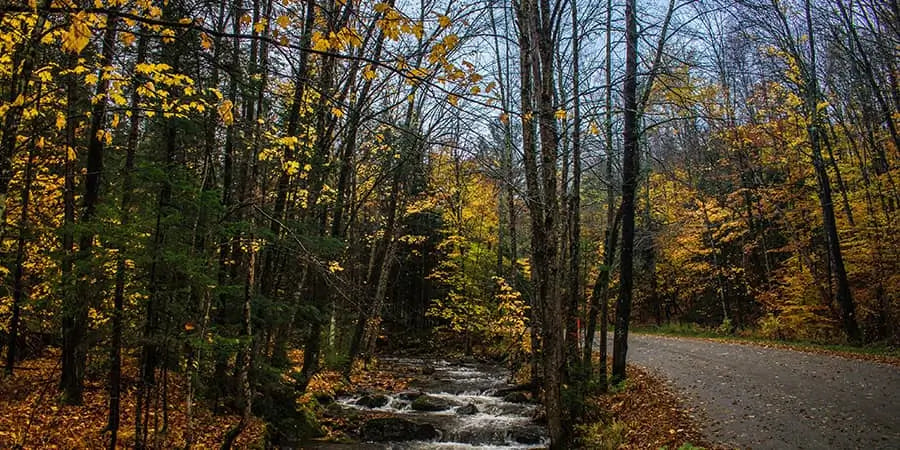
32,417
653,416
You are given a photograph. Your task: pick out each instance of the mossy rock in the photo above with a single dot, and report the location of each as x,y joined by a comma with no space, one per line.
373,401
430,403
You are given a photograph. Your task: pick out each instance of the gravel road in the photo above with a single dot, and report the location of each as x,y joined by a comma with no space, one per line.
767,398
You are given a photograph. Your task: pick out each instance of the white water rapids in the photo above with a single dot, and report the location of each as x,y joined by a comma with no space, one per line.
497,424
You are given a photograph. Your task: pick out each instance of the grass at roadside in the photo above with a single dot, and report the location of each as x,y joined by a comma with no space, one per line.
874,352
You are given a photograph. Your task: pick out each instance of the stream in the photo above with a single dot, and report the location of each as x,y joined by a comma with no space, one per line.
460,400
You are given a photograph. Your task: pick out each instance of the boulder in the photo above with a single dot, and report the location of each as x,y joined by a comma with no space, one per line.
516,397
373,401
525,436
338,411
409,395
430,403
467,410
385,429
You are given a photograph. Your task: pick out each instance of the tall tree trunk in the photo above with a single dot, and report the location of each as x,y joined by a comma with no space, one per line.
536,20
246,393
75,314
574,209
68,235
316,214
115,356
600,297
19,270
507,157
630,168
534,198
226,271
613,216
577,365
844,297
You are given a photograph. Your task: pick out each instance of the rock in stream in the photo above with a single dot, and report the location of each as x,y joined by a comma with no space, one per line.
431,403
385,429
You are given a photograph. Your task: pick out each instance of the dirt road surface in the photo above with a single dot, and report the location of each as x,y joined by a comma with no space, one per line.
765,398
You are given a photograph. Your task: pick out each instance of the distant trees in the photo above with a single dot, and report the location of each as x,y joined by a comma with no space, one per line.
754,135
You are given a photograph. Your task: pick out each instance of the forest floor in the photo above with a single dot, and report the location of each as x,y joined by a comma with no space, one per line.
32,417
764,397
643,413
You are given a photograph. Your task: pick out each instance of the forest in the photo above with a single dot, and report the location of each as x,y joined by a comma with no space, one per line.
247,195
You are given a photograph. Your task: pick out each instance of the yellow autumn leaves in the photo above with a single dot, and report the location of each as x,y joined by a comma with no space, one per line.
78,35
344,39
226,112
394,24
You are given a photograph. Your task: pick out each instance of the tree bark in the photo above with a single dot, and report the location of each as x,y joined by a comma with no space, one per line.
574,207
630,169
536,33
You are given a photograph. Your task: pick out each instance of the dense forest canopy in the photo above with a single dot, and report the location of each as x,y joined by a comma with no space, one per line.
203,187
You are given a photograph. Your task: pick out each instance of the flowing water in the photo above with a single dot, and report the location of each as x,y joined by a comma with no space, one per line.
497,424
